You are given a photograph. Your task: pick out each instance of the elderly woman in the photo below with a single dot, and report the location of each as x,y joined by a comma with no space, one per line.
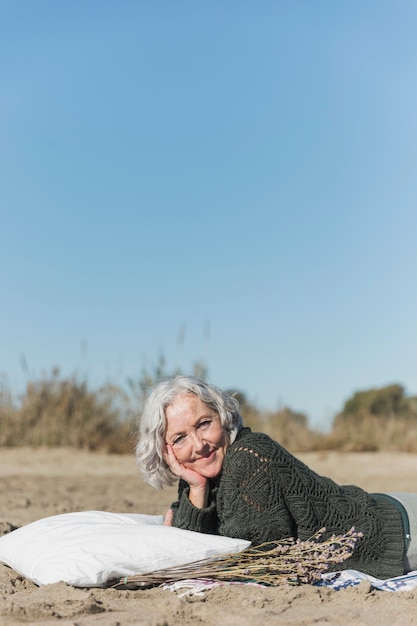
238,483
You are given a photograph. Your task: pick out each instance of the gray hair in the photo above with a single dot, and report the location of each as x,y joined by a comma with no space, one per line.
152,425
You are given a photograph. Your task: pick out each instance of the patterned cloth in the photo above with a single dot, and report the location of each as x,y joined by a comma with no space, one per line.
351,577
336,581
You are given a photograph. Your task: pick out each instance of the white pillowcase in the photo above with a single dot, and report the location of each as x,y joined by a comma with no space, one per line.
86,549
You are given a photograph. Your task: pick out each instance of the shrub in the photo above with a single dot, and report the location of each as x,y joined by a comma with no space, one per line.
376,419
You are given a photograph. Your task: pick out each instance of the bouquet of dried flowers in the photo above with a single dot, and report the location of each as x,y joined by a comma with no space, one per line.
271,563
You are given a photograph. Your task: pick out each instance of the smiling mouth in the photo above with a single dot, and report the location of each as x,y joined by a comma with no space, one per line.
208,456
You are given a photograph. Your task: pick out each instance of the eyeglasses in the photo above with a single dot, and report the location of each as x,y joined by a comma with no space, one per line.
202,429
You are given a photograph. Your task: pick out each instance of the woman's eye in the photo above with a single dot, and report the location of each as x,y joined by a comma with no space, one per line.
204,424
178,440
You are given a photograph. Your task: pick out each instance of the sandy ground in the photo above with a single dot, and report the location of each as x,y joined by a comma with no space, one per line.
37,483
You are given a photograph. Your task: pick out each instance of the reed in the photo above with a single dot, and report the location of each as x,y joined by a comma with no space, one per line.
271,564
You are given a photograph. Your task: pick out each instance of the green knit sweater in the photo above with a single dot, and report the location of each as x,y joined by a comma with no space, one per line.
264,493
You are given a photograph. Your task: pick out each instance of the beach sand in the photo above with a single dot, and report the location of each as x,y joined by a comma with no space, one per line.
38,483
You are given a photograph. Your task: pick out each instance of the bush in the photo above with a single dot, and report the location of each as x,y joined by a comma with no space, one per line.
386,402
376,419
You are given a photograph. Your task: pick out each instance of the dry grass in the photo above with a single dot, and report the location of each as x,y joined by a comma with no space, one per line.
55,411
373,434
289,428
272,563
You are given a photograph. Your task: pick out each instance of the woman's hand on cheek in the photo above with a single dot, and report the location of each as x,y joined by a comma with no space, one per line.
198,484
172,462
190,476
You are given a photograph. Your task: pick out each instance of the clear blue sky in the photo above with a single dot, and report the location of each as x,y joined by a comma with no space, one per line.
233,182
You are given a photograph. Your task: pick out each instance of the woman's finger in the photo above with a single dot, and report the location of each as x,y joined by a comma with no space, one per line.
177,468
171,459
168,518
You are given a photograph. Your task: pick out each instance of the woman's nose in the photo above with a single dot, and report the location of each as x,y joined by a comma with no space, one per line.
198,441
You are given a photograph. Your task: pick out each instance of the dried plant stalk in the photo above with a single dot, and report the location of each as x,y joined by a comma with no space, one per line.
271,563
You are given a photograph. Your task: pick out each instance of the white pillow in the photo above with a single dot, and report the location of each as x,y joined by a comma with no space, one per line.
88,548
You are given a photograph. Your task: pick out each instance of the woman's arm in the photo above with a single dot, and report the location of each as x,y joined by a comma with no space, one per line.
198,484
189,517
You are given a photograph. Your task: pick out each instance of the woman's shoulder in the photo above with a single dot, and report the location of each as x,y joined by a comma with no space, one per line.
253,443
259,452
247,435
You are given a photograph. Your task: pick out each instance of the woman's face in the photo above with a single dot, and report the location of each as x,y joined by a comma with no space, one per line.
196,435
